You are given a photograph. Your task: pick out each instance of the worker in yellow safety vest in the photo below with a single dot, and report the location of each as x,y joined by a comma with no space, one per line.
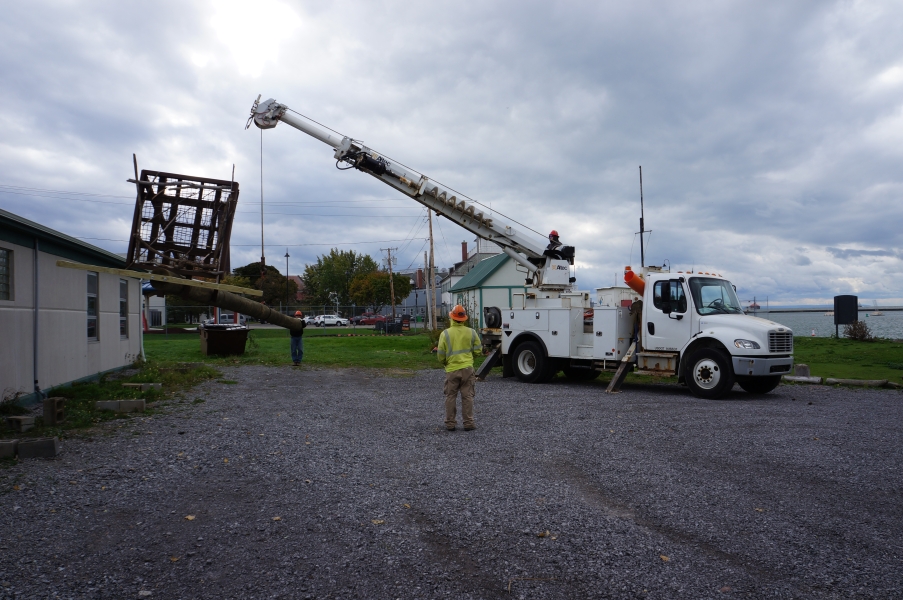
458,345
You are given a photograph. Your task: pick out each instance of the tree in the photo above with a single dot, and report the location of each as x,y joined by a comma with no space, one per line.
273,285
333,273
372,289
251,272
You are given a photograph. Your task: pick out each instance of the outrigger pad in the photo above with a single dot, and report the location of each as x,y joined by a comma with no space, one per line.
492,359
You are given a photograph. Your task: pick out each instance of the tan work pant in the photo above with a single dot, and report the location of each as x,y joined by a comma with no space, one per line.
462,381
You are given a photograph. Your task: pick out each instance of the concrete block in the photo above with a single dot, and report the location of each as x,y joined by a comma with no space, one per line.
54,412
39,448
801,379
857,382
107,405
801,370
126,406
8,448
20,423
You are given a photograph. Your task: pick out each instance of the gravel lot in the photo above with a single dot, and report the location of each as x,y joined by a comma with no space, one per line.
302,483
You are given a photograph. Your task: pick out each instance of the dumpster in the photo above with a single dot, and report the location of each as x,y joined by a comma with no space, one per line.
223,340
389,326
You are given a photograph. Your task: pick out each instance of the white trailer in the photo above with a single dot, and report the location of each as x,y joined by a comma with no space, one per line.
684,324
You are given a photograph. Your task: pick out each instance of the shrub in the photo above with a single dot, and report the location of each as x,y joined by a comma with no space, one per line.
858,330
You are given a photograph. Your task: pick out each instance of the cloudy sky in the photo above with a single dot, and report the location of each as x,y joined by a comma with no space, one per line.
770,134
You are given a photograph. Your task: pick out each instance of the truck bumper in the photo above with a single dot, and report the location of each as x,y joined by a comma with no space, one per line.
759,366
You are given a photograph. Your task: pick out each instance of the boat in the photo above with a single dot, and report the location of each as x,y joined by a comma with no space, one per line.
876,312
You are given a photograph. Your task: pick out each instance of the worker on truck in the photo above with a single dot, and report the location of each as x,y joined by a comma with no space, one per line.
458,345
554,247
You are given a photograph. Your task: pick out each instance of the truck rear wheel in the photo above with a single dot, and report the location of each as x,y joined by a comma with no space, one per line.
709,374
759,385
530,363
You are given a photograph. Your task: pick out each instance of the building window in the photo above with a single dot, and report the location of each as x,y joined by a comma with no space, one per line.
92,306
6,275
124,308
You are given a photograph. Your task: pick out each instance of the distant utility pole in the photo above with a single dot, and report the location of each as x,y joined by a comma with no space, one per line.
432,278
391,281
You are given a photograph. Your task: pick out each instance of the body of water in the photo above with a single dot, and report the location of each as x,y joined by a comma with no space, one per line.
888,326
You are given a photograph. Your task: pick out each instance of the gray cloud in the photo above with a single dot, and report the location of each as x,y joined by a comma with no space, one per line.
846,253
760,128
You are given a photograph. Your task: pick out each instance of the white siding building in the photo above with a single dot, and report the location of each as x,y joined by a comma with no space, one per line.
60,325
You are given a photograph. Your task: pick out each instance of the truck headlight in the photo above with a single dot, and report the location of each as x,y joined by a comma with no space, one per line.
746,344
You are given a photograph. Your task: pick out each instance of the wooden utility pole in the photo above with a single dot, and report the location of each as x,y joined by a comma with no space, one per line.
432,277
391,281
429,308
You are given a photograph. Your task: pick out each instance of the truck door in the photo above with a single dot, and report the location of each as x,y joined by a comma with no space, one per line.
667,326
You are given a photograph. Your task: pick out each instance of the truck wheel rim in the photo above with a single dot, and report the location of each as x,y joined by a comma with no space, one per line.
707,374
526,362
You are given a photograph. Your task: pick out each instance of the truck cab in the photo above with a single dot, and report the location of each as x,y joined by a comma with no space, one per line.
693,327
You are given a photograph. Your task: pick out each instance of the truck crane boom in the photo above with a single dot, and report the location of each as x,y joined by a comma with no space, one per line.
550,269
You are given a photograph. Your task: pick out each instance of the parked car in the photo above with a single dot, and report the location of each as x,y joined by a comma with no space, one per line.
310,319
227,319
371,319
326,320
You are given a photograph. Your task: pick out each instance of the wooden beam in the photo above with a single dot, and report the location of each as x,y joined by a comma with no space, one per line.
165,278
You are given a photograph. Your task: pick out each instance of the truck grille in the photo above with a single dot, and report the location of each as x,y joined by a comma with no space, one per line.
780,342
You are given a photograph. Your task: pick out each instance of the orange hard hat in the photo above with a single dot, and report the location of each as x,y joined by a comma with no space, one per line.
458,313
553,233
298,313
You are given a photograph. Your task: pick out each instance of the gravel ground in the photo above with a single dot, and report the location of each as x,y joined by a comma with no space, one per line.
303,483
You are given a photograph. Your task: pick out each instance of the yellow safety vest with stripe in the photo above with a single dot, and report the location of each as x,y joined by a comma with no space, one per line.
458,345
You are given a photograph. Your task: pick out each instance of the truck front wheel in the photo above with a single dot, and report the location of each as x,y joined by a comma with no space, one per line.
709,374
530,363
759,385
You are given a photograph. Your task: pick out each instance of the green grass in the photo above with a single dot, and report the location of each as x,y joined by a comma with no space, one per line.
322,348
826,357
849,359
80,397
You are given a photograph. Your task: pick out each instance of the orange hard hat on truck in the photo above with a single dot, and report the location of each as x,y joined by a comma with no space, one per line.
458,313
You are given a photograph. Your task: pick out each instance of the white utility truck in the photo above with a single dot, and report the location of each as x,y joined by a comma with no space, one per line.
688,324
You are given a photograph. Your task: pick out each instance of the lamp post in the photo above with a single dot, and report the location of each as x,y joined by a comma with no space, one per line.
286,280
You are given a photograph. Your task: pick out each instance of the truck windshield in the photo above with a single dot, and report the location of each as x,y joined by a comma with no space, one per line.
712,296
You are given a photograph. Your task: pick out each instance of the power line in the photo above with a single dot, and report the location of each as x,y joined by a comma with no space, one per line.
314,204
487,207
79,237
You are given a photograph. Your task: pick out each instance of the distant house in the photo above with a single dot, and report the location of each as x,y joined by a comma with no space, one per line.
301,294
59,325
470,258
492,282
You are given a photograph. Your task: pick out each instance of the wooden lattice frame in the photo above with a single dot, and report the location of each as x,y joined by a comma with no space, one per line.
182,223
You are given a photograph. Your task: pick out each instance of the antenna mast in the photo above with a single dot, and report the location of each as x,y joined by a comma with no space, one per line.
642,229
